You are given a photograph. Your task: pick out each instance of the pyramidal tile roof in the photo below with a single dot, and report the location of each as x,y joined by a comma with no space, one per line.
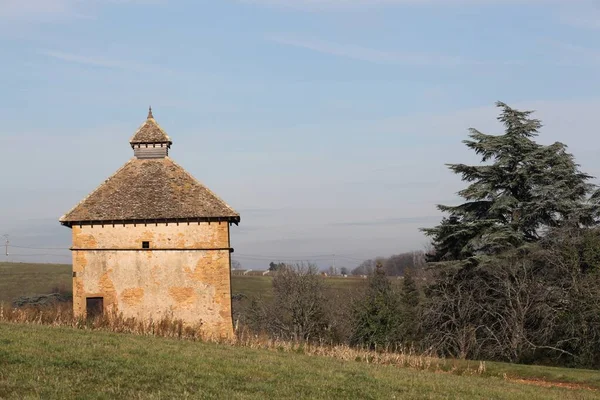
150,132
147,190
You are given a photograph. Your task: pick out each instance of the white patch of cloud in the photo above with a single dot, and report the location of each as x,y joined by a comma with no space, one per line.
100,62
373,55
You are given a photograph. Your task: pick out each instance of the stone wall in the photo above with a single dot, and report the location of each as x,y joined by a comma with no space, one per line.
185,272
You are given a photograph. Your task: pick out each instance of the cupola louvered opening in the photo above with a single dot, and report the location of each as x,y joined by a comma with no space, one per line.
150,150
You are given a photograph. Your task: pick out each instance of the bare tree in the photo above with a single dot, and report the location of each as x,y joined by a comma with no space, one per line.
297,311
522,308
451,317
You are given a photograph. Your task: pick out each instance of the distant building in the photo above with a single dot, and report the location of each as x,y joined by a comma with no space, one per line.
152,240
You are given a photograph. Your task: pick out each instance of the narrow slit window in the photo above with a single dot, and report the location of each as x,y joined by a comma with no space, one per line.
145,245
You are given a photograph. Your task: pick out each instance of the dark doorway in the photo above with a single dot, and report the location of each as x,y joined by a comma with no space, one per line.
94,306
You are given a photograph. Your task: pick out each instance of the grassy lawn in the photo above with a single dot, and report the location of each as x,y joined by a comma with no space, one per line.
50,362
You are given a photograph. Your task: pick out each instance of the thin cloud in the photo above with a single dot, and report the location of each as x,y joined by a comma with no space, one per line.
27,9
100,62
391,221
583,18
573,55
583,22
313,5
51,10
373,55
260,212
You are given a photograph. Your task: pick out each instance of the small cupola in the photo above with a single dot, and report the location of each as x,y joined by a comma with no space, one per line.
150,140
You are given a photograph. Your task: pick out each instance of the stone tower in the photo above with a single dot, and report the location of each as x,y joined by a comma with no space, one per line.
152,241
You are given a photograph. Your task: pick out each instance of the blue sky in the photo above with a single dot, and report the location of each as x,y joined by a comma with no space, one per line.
325,123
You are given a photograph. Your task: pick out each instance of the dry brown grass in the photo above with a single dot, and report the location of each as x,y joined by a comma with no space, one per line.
406,358
61,315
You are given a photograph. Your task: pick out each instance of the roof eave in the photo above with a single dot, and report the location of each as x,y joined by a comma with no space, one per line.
169,142
234,219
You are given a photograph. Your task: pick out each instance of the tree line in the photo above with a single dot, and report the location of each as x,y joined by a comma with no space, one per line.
394,265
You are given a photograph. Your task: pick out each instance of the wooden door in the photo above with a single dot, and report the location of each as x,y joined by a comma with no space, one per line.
94,306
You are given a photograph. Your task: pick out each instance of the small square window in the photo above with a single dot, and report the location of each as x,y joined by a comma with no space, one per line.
145,245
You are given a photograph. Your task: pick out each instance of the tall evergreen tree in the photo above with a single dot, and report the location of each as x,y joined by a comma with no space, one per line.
376,317
521,189
410,300
410,291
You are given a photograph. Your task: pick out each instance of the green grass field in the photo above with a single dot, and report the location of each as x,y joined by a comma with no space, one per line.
55,363
22,279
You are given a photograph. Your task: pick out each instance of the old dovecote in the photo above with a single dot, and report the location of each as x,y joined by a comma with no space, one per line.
152,241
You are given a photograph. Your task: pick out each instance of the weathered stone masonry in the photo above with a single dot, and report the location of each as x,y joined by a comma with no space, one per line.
152,241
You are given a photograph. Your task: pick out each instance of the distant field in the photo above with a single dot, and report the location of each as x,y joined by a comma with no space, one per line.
262,285
55,363
22,279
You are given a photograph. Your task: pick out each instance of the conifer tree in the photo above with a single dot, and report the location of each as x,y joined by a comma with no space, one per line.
410,300
376,317
521,189
410,291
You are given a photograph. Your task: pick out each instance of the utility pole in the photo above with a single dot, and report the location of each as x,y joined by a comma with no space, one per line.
334,271
6,243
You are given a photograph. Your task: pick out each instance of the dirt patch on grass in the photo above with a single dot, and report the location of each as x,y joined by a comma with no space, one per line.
544,383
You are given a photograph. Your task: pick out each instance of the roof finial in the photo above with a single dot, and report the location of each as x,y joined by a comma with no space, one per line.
150,113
